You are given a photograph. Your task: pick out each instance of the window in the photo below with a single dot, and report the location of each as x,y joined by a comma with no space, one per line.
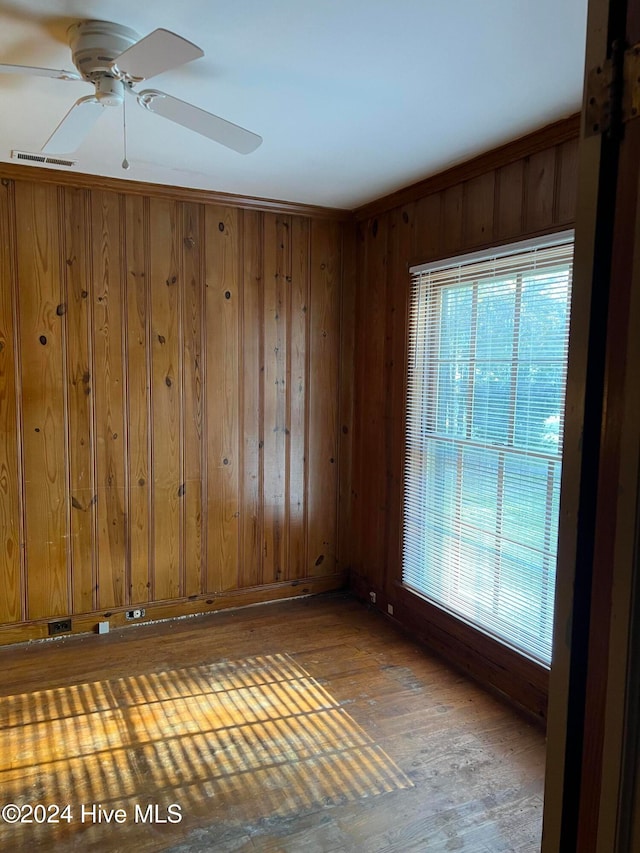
488,339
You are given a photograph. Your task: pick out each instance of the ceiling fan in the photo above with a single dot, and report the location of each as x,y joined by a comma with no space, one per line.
115,60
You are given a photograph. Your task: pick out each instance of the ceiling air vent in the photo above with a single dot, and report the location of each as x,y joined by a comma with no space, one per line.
29,157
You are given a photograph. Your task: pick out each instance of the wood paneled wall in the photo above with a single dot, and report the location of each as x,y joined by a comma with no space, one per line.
169,404
527,188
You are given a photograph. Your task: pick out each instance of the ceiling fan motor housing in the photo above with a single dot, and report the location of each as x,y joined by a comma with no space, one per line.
109,91
94,46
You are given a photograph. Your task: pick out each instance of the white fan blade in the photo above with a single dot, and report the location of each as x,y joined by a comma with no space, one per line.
39,72
216,128
74,126
160,51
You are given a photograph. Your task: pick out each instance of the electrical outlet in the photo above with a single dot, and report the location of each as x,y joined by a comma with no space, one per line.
390,609
138,613
59,626
372,597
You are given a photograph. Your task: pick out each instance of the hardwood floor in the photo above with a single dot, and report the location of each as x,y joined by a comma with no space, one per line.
307,725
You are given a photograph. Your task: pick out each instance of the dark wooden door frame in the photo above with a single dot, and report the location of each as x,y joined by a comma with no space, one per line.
592,737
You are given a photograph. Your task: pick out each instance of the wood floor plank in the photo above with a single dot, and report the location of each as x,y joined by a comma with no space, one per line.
307,725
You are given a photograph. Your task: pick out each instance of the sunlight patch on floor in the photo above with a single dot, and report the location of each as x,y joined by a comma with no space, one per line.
252,738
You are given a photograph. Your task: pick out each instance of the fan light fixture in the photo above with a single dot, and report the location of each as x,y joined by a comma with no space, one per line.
114,59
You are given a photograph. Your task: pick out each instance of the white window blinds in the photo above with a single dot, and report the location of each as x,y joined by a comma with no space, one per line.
488,340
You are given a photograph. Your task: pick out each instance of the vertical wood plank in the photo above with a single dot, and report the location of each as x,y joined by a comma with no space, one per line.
250,570
509,216
452,209
540,180
223,241
324,349
193,312
298,376
345,546
108,376
567,183
398,287
80,398
359,500
40,334
426,223
373,484
166,395
10,467
478,210
276,270
138,367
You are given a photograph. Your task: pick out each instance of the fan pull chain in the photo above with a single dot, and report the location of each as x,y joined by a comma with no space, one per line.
125,162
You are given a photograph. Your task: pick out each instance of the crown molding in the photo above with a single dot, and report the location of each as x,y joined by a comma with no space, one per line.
561,131
42,174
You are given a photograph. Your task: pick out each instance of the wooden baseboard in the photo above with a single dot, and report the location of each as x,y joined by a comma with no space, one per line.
87,622
523,682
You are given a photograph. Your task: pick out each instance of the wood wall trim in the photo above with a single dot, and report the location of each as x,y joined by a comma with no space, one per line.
43,175
536,142
193,606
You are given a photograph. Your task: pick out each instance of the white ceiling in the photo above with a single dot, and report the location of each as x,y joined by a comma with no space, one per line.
354,98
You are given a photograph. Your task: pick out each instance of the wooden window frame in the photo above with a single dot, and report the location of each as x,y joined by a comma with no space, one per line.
523,681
